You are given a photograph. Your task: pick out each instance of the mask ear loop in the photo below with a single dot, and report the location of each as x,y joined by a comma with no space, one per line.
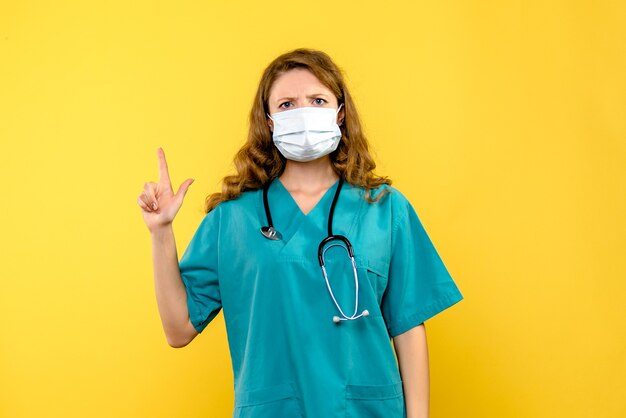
339,108
268,115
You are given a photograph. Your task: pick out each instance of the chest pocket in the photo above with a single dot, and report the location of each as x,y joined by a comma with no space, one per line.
269,402
384,401
377,274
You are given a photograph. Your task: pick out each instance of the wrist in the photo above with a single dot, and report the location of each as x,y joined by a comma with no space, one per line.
161,231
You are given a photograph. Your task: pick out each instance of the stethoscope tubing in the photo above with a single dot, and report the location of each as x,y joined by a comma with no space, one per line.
271,233
356,284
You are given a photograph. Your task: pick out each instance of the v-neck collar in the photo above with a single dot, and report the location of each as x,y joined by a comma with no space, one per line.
320,203
302,233
289,219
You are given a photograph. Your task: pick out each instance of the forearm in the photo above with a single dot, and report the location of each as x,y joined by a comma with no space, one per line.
412,351
169,288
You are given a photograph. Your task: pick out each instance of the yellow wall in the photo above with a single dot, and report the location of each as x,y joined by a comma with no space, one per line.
503,122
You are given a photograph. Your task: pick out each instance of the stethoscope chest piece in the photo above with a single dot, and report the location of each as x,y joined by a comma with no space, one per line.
272,233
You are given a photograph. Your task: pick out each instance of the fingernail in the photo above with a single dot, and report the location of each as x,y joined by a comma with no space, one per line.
154,205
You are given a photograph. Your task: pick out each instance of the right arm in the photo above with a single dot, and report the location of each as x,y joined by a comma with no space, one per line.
159,205
170,290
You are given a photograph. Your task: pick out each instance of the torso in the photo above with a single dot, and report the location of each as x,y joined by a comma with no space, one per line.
289,358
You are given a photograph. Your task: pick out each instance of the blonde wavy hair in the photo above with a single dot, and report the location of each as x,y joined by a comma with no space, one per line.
259,161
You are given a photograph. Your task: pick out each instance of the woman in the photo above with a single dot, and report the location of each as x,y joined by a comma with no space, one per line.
309,319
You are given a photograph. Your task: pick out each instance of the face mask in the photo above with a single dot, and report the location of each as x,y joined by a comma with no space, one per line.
306,133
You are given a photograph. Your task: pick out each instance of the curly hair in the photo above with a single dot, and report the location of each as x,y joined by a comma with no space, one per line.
259,161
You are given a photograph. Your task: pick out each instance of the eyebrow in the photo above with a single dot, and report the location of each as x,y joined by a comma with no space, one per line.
310,96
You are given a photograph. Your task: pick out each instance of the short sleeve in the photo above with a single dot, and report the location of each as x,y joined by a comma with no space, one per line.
198,269
419,285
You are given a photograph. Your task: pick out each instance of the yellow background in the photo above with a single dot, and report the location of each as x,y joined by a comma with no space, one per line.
504,122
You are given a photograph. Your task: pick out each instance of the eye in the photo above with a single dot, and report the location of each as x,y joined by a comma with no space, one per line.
284,103
320,101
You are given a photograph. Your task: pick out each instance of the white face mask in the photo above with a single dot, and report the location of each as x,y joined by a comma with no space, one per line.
306,133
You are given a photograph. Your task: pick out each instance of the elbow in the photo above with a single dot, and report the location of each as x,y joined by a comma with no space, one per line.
177,341
180,336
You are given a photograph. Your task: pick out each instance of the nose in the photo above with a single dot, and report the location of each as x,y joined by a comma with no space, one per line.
301,102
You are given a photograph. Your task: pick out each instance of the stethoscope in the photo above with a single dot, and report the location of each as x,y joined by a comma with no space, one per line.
272,233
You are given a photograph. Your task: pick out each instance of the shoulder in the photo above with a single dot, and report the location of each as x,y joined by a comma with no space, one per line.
389,202
387,195
246,202
394,195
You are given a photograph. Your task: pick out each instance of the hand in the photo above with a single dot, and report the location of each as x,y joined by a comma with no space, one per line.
159,205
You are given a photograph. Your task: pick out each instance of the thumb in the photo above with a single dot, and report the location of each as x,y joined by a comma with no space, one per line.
182,190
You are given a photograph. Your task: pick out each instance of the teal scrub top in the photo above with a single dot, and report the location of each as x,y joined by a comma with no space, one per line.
289,358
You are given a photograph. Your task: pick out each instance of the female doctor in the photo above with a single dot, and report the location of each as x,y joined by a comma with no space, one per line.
316,262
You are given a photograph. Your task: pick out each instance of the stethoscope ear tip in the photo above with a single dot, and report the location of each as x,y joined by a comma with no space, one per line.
365,313
336,319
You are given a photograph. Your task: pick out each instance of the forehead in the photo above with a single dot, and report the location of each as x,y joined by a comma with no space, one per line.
297,82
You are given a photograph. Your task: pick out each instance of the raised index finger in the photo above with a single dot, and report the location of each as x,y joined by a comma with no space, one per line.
164,175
